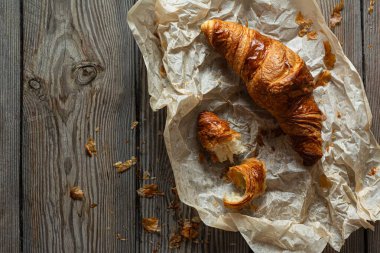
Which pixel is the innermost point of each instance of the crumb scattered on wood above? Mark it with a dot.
(97, 129)
(174, 205)
(90, 147)
(324, 182)
(93, 205)
(371, 6)
(373, 171)
(323, 78)
(149, 191)
(76, 193)
(151, 225)
(146, 175)
(338, 115)
(304, 25)
(134, 124)
(124, 166)
(336, 16)
(329, 59)
(190, 229)
(175, 241)
(312, 35)
(370, 46)
(120, 237)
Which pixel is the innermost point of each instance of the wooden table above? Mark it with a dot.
(71, 67)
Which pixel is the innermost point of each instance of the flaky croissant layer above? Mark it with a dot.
(250, 176)
(218, 138)
(277, 79)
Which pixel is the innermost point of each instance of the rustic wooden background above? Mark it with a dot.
(70, 66)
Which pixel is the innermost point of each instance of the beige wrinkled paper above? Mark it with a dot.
(185, 75)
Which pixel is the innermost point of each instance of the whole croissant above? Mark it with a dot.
(277, 79)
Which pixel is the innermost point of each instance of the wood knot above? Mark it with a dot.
(34, 84)
(85, 73)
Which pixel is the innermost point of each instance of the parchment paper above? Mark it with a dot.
(185, 75)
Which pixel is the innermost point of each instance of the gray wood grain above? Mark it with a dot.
(9, 125)
(350, 36)
(79, 75)
(371, 48)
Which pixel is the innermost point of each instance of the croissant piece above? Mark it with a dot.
(217, 137)
(276, 78)
(249, 176)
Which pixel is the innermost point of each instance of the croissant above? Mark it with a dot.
(249, 176)
(217, 137)
(276, 78)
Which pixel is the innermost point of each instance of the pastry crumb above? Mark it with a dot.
(336, 16)
(97, 129)
(93, 205)
(373, 171)
(190, 230)
(151, 225)
(312, 35)
(338, 115)
(134, 124)
(323, 78)
(174, 205)
(76, 193)
(124, 166)
(175, 241)
(324, 182)
(146, 175)
(371, 6)
(90, 147)
(304, 25)
(121, 238)
(149, 191)
(329, 59)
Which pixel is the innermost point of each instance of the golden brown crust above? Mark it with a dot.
(277, 79)
(212, 130)
(251, 175)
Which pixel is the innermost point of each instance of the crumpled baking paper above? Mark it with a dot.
(302, 210)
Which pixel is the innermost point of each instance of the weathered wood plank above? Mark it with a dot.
(9, 125)
(350, 36)
(154, 159)
(79, 75)
(371, 48)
